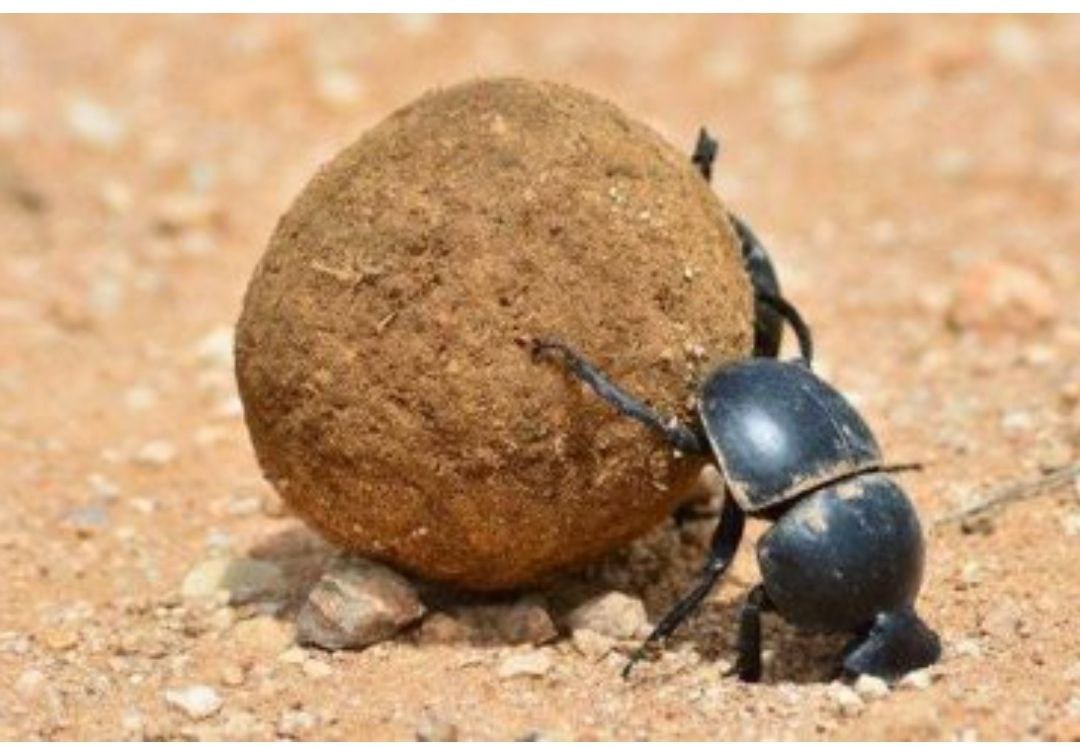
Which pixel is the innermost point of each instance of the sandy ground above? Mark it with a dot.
(915, 179)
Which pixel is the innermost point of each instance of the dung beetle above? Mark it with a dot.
(845, 552)
(768, 320)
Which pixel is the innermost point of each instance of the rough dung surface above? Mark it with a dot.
(386, 396)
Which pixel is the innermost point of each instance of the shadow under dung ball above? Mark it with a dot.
(387, 398)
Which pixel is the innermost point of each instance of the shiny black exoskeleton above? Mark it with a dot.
(768, 320)
(845, 552)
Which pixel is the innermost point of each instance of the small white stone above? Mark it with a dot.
(1071, 524)
(295, 723)
(116, 197)
(338, 87)
(871, 688)
(968, 647)
(102, 488)
(94, 124)
(1014, 44)
(132, 724)
(847, 700)
(196, 701)
(244, 505)
(918, 679)
(533, 663)
(139, 398)
(155, 453)
(216, 347)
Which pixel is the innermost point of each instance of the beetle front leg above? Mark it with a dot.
(681, 437)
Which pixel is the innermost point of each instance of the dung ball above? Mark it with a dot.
(386, 393)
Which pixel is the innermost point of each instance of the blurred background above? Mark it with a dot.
(915, 179)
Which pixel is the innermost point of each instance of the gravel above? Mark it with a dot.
(613, 614)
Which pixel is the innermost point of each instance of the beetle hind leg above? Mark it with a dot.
(748, 662)
(897, 643)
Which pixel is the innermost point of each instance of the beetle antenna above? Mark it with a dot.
(902, 467)
(794, 318)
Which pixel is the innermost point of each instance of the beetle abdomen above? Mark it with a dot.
(844, 553)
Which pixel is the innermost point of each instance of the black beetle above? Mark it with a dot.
(768, 319)
(845, 553)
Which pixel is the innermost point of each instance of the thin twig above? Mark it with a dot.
(1012, 493)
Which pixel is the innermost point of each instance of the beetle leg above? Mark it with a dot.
(896, 643)
(725, 543)
(680, 436)
(748, 664)
(705, 153)
(802, 330)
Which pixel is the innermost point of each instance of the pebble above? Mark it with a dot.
(968, 647)
(823, 39)
(532, 663)
(244, 579)
(94, 124)
(613, 614)
(296, 724)
(918, 679)
(871, 688)
(196, 701)
(592, 645)
(357, 603)
(337, 88)
(847, 700)
(435, 729)
(1015, 45)
(1070, 523)
(181, 211)
(131, 722)
(102, 488)
(155, 454)
(139, 398)
(216, 347)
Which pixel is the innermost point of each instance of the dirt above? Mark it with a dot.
(914, 179)
(380, 358)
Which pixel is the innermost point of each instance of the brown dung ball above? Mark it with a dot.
(377, 354)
